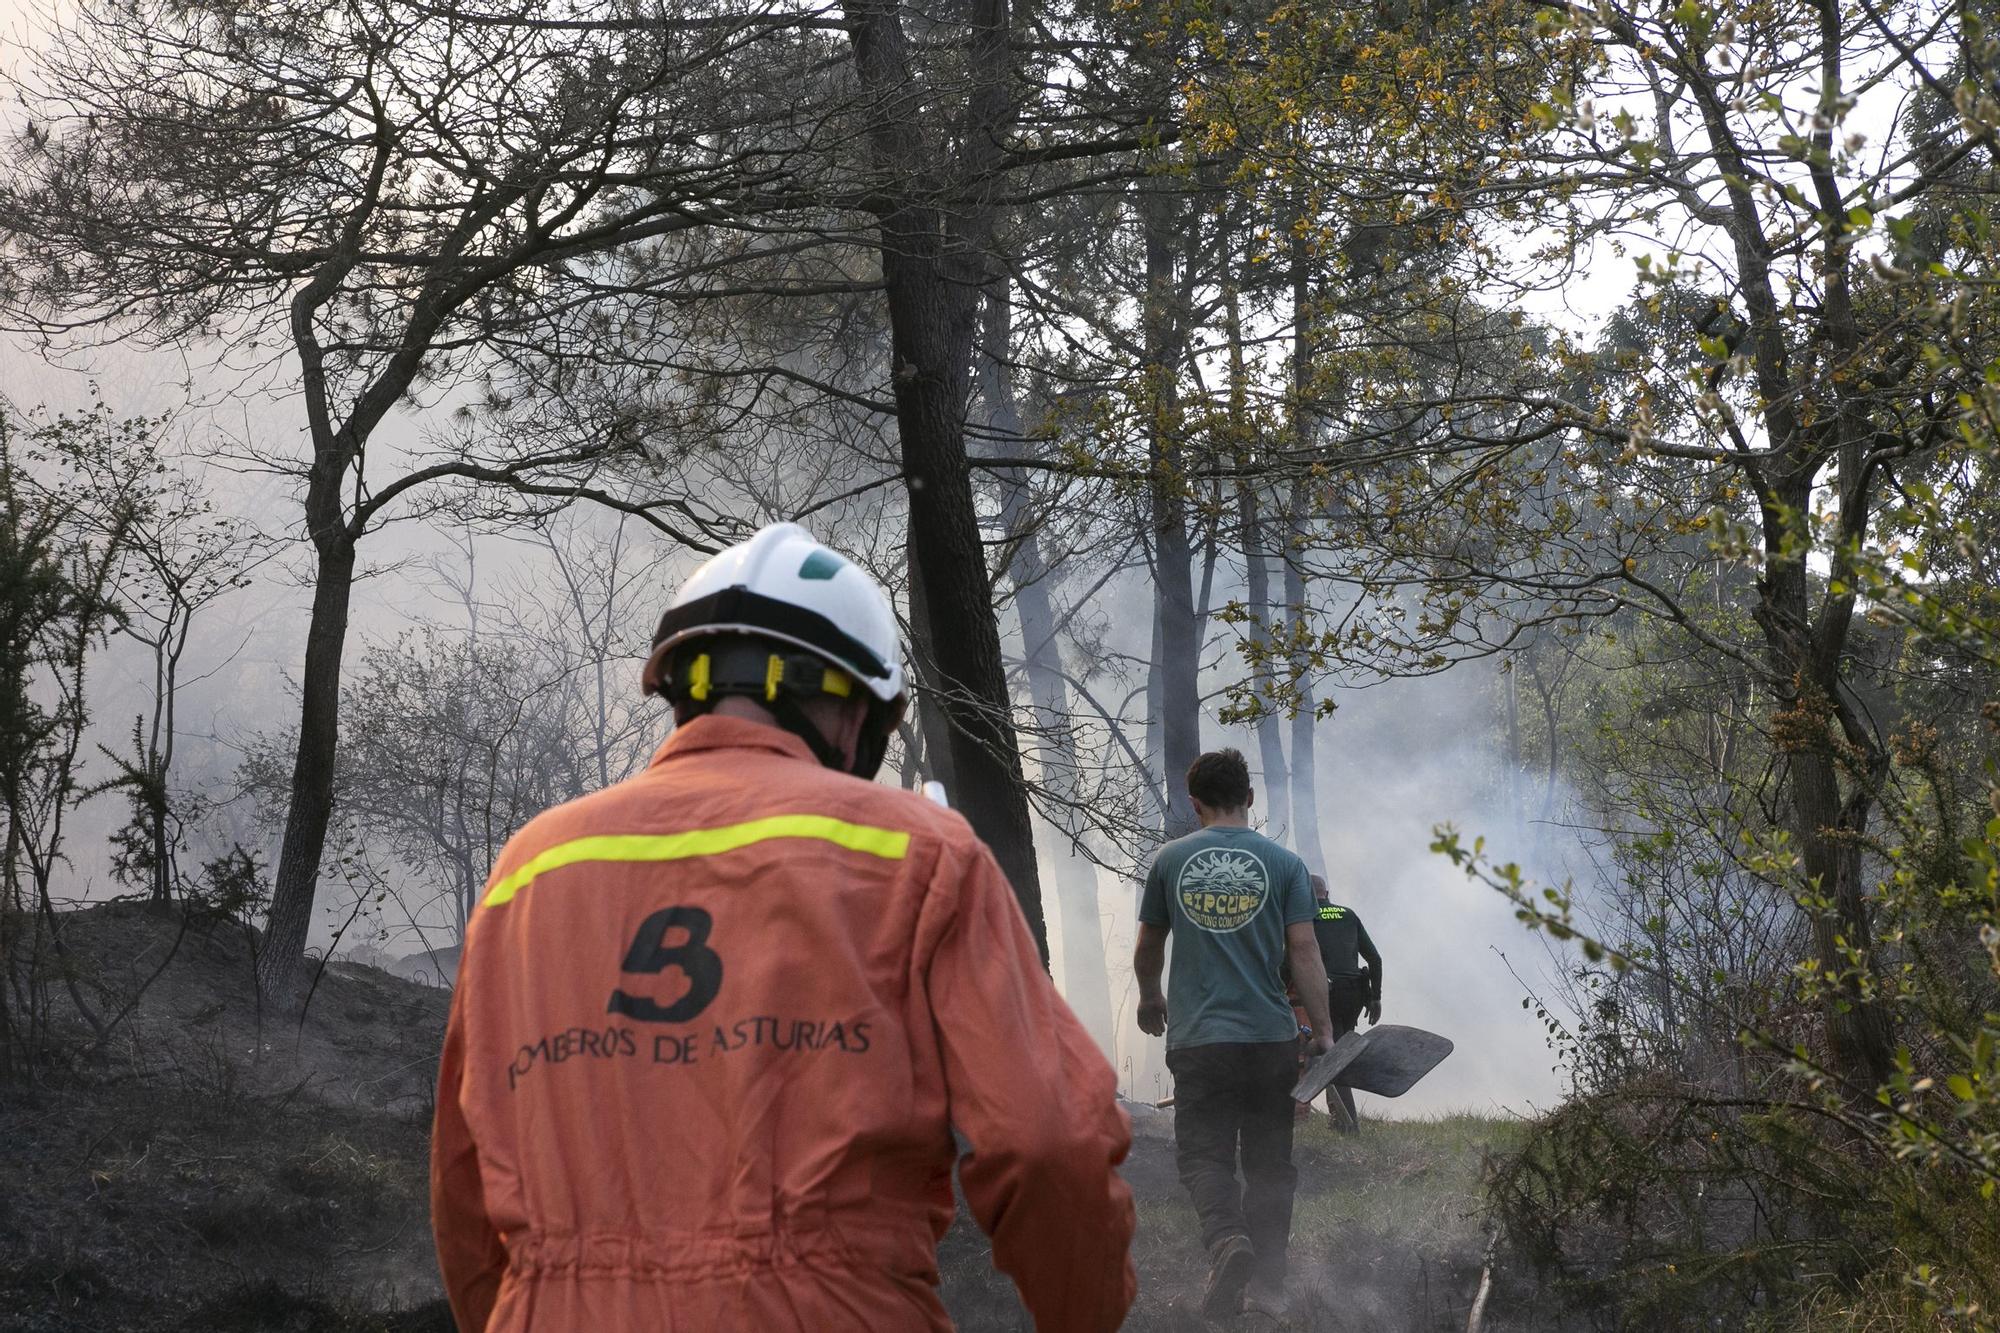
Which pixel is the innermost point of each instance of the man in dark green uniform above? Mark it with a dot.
(1238, 907)
(1343, 947)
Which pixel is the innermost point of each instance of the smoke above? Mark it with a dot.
(1396, 761)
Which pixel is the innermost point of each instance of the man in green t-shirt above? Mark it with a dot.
(1237, 906)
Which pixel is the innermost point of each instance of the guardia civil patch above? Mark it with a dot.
(1221, 889)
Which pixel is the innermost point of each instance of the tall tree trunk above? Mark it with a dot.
(958, 598)
(281, 957)
(334, 531)
(1827, 828)
(933, 270)
(1086, 981)
(1511, 683)
(932, 724)
(1274, 788)
(1806, 433)
(1179, 662)
(1829, 831)
(1305, 767)
(1156, 773)
(1305, 838)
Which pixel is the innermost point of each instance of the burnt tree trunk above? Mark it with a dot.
(932, 337)
(932, 723)
(281, 956)
(335, 528)
(933, 270)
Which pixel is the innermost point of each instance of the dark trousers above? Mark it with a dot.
(1347, 996)
(1235, 1098)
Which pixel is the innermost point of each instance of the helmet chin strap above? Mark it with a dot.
(873, 742)
(869, 747)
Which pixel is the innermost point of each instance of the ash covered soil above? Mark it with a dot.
(205, 1169)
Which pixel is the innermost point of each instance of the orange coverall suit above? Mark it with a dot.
(712, 1031)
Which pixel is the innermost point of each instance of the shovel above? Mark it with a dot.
(1386, 1060)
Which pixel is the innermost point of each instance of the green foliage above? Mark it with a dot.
(54, 604)
(1661, 1190)
(230, 888)
(1672, 1188)
(57, 566)
(1739, 536)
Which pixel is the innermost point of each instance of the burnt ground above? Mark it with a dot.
(206, 1170)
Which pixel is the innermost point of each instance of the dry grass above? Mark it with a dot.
(1886, 1304)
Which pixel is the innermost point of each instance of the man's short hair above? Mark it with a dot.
(1320, 890)
(1220, 780)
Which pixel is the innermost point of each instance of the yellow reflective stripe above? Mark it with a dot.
(889, 844)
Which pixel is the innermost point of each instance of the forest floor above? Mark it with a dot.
(203, 1171)
(1386, 1237)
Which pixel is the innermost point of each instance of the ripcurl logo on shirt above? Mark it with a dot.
(1222, 889)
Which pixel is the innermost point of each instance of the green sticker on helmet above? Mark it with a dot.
(821, 564)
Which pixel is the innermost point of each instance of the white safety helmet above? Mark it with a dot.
(783, 586)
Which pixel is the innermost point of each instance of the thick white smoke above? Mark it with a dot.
(1395, 761)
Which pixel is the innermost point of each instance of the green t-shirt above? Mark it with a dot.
(1227, 895)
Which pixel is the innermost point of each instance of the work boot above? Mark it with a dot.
(1232, 1260)
(1266, 1296)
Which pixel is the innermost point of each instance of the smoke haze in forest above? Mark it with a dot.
(351, 450)
(1395, 761)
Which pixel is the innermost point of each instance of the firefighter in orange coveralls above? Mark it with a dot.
(715, 1025)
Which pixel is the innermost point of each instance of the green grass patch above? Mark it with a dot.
(1419, 1183)
(1386, 1228)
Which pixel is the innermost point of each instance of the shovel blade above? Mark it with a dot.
(1386, 1060)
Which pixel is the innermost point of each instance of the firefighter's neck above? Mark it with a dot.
(839, 720)
(1215, 817)
(736, 705)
